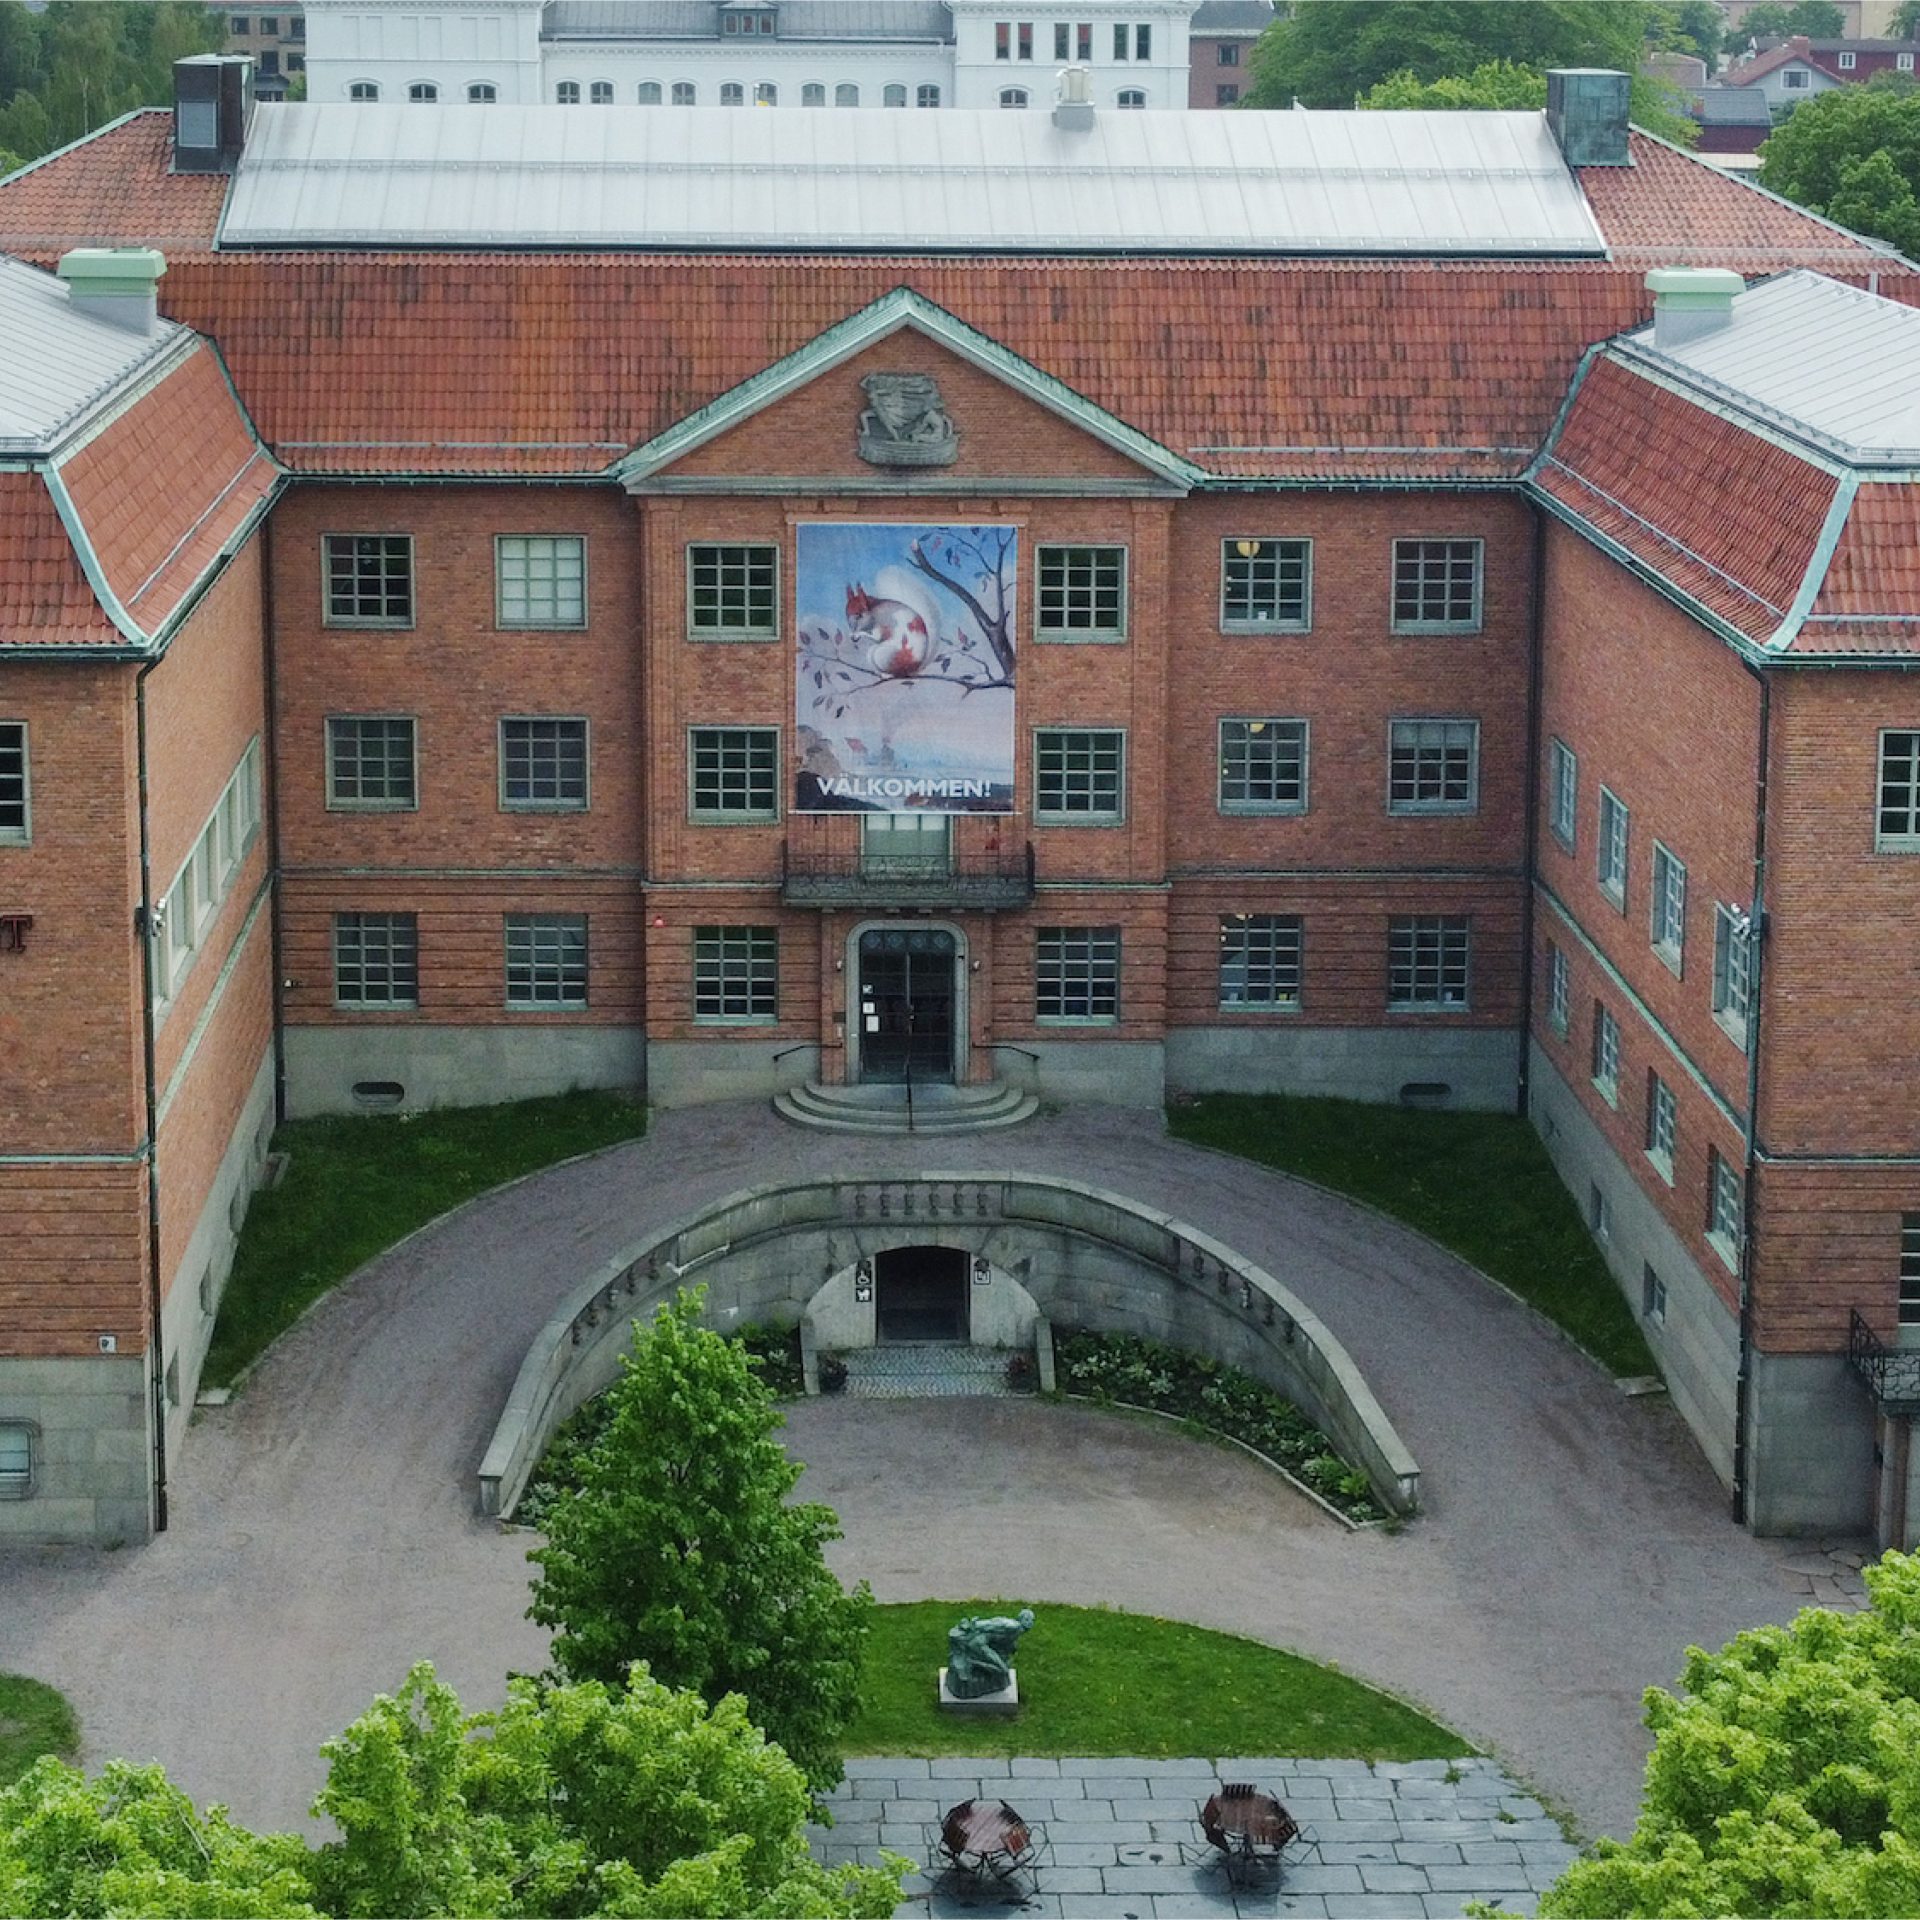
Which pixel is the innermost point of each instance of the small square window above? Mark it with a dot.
(376, 960)
(1653, 1295)
(1846, 62)
(1662, 1122)
(736, 975)
(1909, 1303)
(1557, 990)
(17, 1450)
(1610, 865)
(1226, 94)
(1263, 766)
(1079, 776)
(1428, 962)
(1732, 971)
(1668, 928)
(540, 580)
(1076, 974)
(369, 579)
(1433, 766)
(733, 592)
(1724, 1208)
(1082, 593)
(16, 819)
(543, 765)
(1903, 62)
(1606, 1055)
(1898, 824)
(1436, 586)
(1563, 793)
(1266, 586)
(734, 772)
(546, 959)
(1229, 52)
(370, 762)
(1794, 79)
(1259, 962)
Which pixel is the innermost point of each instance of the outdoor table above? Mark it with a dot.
(1251, 1829)
(987, 1844)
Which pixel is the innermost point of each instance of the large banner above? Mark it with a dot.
(903, 669)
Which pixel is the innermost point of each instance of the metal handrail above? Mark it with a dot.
(1892, 1374)
(799, 1046)
(1007, 1046)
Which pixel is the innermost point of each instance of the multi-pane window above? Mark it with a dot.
(1226, 94)
(685, 93)
(1428, 960)
(567, 93)
(767, 94)
(1082, 593)
(734, 772)
(1436, 586)
(927, 96)
(1013, 96)
(1898, 829)
(1263, 766)
(1653, 1294)
(1143, 43)
(1723, 1207)
(16, 1459)
(1433, 766)
(1259, 961)
(732, 94)
(546, 959)
(1732, 970)
(1078, 774)
(1668, 913)
(649, 94)
(1026, 39)
(483, 93)
(601, 94)
(369, 579)
(1909, 1308)
(1130, 97)
(1662, 1120)
(1610, 860)
(733, 592)
(846, 94)
(1076, 973)
(736, 974)
(376, 960)
(364, 90)
(1558, 990)
(1606, 1054)
(183, 915)
(16, 821)
(540, 580)
(370, 761)
(1563, 793)
(422, 93)
(543, 764)
(1266, 586)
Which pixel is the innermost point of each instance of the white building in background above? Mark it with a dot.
(789, 53)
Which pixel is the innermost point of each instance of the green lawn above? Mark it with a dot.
(33, 1720)
(1096, 1682)
(357, 1184)
(1479, 1183)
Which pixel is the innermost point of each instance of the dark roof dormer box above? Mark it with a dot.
(739, 21)
(212, 107)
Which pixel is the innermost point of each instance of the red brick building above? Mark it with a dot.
(1337, 588)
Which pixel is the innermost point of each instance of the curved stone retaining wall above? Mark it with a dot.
(1090, 1258)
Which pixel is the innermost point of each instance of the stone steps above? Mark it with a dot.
(877, 1110)
(926, 1370)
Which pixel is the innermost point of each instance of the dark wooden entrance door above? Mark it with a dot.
(906, 1004)
(921, 1293)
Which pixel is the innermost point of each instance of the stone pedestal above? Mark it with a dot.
(991, 1706)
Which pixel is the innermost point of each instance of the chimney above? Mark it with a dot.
(1587, 115)
(1073, 100)
(120, 284)
(212, 109)
(1691, 301)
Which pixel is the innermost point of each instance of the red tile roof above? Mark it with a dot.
(1875, 572)
(44, 596)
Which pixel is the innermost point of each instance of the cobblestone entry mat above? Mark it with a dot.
(935, 1370)
(1121, 1840)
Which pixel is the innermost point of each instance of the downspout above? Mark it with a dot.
(156, 1367)
(270, 783)
(1756, 950)
(1536, 672)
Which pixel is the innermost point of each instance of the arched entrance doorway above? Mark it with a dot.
(921, 1293)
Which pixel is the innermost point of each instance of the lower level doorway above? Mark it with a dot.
(920, 1293)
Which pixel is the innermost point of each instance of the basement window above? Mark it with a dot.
(17, 1438)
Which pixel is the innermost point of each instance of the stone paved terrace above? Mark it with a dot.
(1122, 1839)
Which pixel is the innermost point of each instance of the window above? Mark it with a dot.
(1436, 586)
(297, 27)
(1427, 962)
(1083, 42)
(238, 24)
(370, 762)
(1606, 1054)
(1557, 990)
(1229, 52)
(733, 94)
(1143, 43)
(1076, 973)
(601, 93)
(1266, 586)
(1724, 1208)
(732, 592)
(893, 96)
(423, 92)
(734, 772)
(1898, 828)
(369, 579)
(543, 765)
(813, 94)
(1026, 40)
(649, 94)
(1130, 97)
(1794, 79)
(546, 959)
(846, 94)
(1563, 793)
(1653, 1294)
(1662, 1119)
(1732, 970)
(1846, 62)
(16, 818)
(1909, 1307)
(1668, 928)
(1263, 766)
(1599, 1213)
(296, 63)
(928, 96)
(1259, 962)
(1062, 41)
(685, 93)
(1082, 593)
(567, 93)
(1610, 865)
(16, 1459)
(540, 580)
(1013, 96)
(1121, 43)
(270, 64)
(1078, 775)
(1003, 39)
(183, 914)
(1433, 766)
(736, 975)
(270, 25)
(376, 960)
(363, 90)
(766, 94)
(483, 93)
(1226, 95)
(1903, 62)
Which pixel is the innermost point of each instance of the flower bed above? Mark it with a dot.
(1119, 1368)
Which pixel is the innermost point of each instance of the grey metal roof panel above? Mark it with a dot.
(57, 363)
(1232, 16)
(1418, 184)
(1734, 107)
(1833, 363)
(698, 20)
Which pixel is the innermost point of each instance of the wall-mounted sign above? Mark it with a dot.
(982, 1272)
(863, 1283)
(904, 668)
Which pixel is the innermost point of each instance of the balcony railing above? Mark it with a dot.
(983, 881)
(1892, 1374)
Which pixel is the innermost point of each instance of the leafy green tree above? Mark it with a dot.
(1500, 83)
(679, 1549)
(1774, 19)
(1693, 26)
(1906, 21)
(1784, 1779)
(9, 162)
(1853, 154)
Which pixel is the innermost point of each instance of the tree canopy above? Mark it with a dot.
(1775, 19)
(679, 1548)
(1784, 1778)
(1853, 154)
(1906, 20)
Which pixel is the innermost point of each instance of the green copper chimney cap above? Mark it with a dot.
(112, 270)
(1682, 287)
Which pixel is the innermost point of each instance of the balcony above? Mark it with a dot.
(915, 882)
(1892, 1374)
